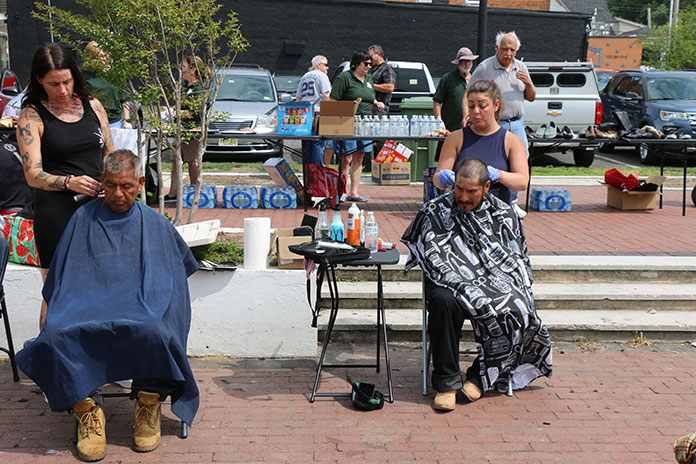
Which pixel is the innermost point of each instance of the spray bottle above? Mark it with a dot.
(337, 230)
(322, 229)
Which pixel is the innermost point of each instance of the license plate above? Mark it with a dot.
(228, 142)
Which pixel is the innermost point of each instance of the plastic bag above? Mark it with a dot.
(323, 182)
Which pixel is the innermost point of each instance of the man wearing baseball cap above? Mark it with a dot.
(447, 101)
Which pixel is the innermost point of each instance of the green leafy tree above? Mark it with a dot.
(636, 10)
(672, 50)
(147, 41)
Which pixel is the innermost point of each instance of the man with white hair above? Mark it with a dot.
(515, 85)
(314, 87)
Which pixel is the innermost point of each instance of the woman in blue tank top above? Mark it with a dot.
(484, 139)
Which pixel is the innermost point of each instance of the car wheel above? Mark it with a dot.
(646, 157)
(607, 147)
(583, 158)
(693, 196)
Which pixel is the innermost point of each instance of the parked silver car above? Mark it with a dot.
(247, 102)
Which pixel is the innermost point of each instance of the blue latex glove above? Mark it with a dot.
(493, 174)
(446, 177)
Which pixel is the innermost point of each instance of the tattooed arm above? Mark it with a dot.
(29, 132)
(103, 124)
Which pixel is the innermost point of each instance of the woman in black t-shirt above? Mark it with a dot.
(63, 134)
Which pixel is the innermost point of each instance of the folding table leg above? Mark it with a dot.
(331, 278)
(380, 305)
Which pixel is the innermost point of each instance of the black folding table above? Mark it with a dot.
(378, 259)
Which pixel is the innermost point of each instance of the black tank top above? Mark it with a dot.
(74, 148)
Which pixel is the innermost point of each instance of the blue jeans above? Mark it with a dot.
(517, 128)
(313, 152)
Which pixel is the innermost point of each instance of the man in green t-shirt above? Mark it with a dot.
(447, 101)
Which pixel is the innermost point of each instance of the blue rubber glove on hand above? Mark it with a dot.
(446, 177)
(493, 174)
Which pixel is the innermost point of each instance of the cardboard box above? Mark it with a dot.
(393, 152)
(635, 200)
(391, 173)
(282, 174)
(336, 117)
(286, 258)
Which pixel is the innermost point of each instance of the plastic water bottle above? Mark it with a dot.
(440, 123)
(371, 231)
(362, 227)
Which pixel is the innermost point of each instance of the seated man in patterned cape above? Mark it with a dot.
(118, 308)
(472, 250)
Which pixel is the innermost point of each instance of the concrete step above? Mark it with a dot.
(547, 295)
(358, 325)
(565, 268)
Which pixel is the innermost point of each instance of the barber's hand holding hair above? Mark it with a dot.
(446, 177)
(83, 184)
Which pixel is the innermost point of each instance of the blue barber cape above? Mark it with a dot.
(118, 308)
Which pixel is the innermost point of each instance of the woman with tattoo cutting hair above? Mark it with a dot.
(63, 133)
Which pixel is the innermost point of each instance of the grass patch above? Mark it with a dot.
(639, 340)
(219, 252)
(599, 172)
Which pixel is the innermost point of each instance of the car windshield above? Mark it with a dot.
(287, 83)
(238, 87)
(672, 88)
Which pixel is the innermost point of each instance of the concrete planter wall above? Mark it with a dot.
(238, 313)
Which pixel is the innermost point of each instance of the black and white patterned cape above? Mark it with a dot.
(481, 256)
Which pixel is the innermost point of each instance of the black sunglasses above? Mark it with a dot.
(367, 63)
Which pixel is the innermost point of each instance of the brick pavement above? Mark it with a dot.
(614, 405)
(592, 227)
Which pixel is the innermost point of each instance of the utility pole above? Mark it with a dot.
(671, 15)
(649, 18)
(676, 12)
(482, 29)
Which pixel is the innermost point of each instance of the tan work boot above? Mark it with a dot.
(146, 434)
(471, 391)
(91, 430)
(445, 401)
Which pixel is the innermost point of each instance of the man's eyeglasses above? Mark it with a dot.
(367, 63)
(325, 64)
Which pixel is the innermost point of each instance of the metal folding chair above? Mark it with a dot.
(182, 434)
(4, 256)
(426, 348)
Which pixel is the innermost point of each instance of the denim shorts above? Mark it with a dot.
(351, 145)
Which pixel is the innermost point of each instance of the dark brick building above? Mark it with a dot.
(285, 34)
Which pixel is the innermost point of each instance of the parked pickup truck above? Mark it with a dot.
(567, 94)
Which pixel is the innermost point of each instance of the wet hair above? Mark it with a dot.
(499, 38)
(198, 67)
(122, 160)
(49, 57)
(358, 57)
(377, 49)
(472, 168)
(489, 88)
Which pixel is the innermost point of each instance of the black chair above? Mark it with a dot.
(4, 256)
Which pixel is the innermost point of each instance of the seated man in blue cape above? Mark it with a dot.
(473, 253)
(118, 308)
